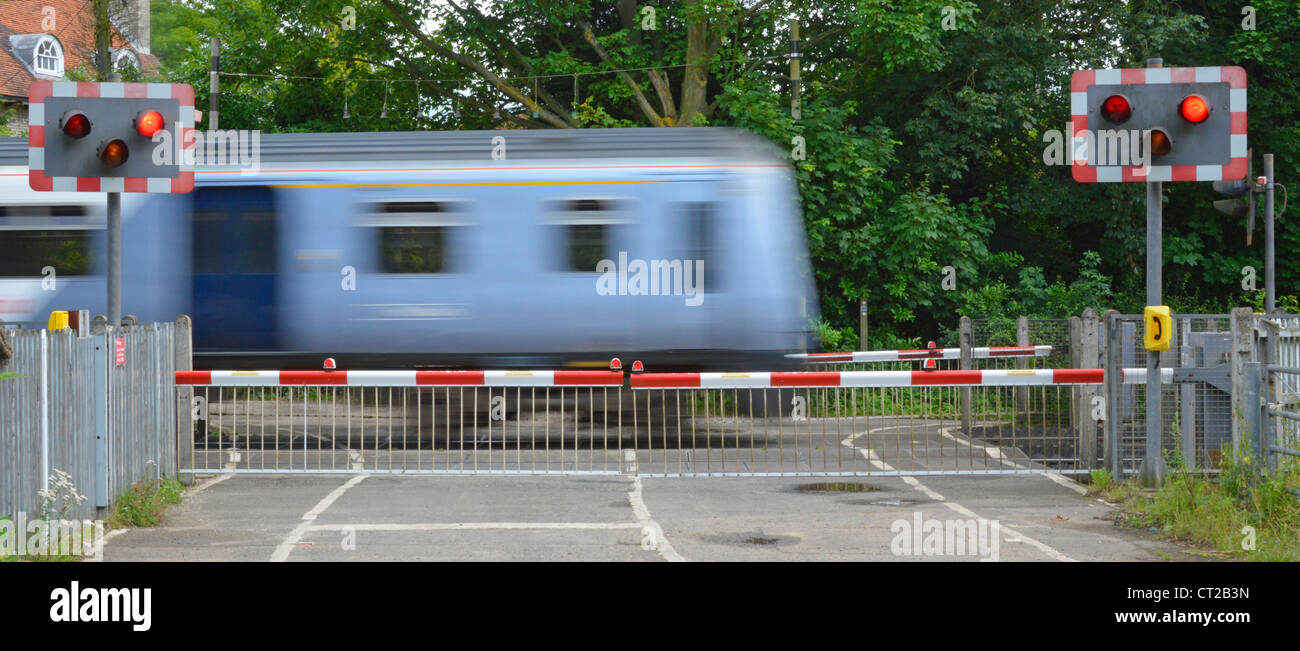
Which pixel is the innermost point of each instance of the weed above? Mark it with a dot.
(142, 505)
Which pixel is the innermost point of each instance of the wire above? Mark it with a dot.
(1284, 198)
(531, 78)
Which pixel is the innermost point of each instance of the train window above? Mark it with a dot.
(587, 246)
(413, 249)
(415, 234)
(699, 221)
(25, 253)
(43, 211)
(586, 226)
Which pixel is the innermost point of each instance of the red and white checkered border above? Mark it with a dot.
(40, 181)
(982, 352)
(1235, 76)
(817, 379)
(561, 378)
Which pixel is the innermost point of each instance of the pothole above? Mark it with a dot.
(837, 487)
(756, 538)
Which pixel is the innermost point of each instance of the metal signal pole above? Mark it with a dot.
(113, 260)
(1152, 472)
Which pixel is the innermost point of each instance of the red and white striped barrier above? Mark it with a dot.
(983, 352)
(402, 378)
(814, 379)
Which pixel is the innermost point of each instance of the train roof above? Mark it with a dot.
(695, 143)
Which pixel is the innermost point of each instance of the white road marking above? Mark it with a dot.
(464, 526)
(644, 520)
(286, 546)
(208, 484)
(1011, 534)
(996, 453)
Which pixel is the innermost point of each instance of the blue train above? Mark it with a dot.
(680, 247)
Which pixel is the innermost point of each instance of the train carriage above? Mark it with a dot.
(680, 247)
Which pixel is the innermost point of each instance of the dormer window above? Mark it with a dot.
(124, 59)
(49, 57)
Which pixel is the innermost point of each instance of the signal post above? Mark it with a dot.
(1192, 123)
(100, 137)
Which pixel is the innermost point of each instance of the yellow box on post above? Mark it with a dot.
(1159, 327)
(58, 320)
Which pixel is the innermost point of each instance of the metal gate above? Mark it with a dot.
(819, 423)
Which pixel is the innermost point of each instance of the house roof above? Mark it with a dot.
(22, 22)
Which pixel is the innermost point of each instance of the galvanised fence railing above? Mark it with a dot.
(99, 407)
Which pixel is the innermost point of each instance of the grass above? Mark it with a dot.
(143, 504)
(1241, 512)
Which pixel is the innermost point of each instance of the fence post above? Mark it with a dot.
(184, 401)
(1111, 388)
(1186, 395)
(101, 419)
(1253, 414)
(1269, 391)
(966, 331)
(1243, 347)
(1089, 356)
(1022, 339)
(862, 325)
(1075, 330)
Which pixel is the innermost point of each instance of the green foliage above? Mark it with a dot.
(143, 504)
(1222, 511)
(923, 123)
(6, 116)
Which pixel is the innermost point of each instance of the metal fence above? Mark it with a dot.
(67, 405)
(1196, 398)
(1279, 336)
(592, 422)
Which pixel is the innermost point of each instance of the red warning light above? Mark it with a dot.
(1116, 109)
(615, 364)
(75, 124)
(1194, 109)
(149, 123)
(329, 364)
(637, 366)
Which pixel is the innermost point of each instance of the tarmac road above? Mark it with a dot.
(353, 516)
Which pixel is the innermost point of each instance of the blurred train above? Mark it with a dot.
(423, 249)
